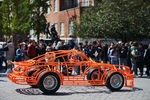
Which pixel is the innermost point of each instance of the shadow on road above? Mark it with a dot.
(132, 89)
(36, 91)
(3, 81)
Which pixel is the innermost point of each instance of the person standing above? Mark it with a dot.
(123, 55)
(70, 45)
(10, 55)
(85, 48)
(31, 52)
(19, 53)
(99, 50)
(41, 49)
(80, 46)
(62, 46)
(134, 55)
(114, 55)
(140, 58)
(104, 56)
(147, 60)
(108, 52)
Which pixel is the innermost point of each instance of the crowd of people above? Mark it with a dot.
(133, 54)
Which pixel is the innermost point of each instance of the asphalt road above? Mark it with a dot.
(11, 91)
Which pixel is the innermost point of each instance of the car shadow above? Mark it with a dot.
(33, 91)
(3, 81)
(130, 89)
(36, 91)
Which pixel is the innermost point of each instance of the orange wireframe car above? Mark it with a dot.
(69, 68)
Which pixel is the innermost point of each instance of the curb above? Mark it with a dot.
(3, 74)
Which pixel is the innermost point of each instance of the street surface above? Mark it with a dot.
(11, 91)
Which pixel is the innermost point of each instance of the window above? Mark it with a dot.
(48, 3)
(70, 28)
(92, 2)
(62, 33)
(56, 26)
(68, 4)
(55, 6)
(85, 2)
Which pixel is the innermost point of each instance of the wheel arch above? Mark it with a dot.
(114, 72)
(53, 72)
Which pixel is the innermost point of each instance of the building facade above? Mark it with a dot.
(62, 13)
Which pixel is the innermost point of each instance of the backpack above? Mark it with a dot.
(135, 53)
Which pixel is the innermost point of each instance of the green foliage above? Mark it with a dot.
(20, 16)
(119, 19)
(38, 17)
(21, 19)
(16, 17)
(5, 17)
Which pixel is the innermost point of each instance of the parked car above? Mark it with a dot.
(69, 68)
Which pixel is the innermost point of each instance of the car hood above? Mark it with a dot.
(25, 63)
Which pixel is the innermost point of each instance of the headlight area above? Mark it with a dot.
(20, 75)
(19, 70)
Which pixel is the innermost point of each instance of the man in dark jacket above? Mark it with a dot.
(147, 59)
(140, 58)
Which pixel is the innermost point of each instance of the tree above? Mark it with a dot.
(16, 17)
(38, 16)
(119, 19)
(5, 10)
(21, 16)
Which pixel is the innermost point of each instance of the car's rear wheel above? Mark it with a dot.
(115, 82)
(49, 83)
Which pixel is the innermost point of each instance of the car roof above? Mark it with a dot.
(59, 53)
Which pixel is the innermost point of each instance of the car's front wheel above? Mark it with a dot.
(49, 83)
(115, 82)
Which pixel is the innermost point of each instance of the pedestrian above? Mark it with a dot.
(114, 55)
(91, 51)
(75, 47)
(19, 54)
(43, 43)
(41, 49)
(123, 55)
(108, 52)
(31, 52)
(85, 48)
(99, 50)
(62, 46)
(70, 45)
(104, 56)
(140, 58)
(128, 55)
(147, 60)
(134, 55)
(2, 57)
(80, 46)
(49, 49)
(10, 55)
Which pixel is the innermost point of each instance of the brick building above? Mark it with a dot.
(62, 13)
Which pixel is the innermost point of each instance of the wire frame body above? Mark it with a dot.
(71, 66)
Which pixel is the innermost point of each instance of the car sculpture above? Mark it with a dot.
(69, 68)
